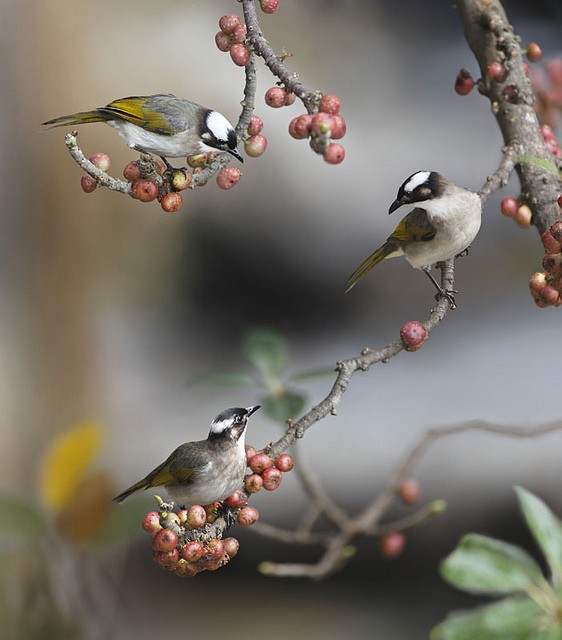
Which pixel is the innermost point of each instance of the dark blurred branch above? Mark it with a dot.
(491, 38)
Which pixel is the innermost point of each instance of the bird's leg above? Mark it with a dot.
(442, 293)
(228, 515)
(169, 168)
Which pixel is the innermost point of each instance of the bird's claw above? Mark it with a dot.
(449, 295)
(229, 517)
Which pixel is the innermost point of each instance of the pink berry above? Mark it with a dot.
(556, 230)
(228, 23)
(275, 97)
(144, 190)
(330, 103)
(254, 146)
(215, 549)
(496, 71)
(240, 54)
(247, 516)
(538, 281)
(550, 294)
(551, 263)
(250, 451)
(151, 522)
(269, 6)
(239, 34)
(236, 500)
(284, 462)
(290, 98)
(253, 483)
(223, 41)
(299, 127)
(165, 540)
(196, 517)
(88, 183)
(413, 334)
(464, 82)
(231, 546)
(255, 126)
(321, 123)
(192, 551)
(550, 243)
(171, 202)
(334, 154)
(338, 127)
(260, 462)
(166, 559)
(409, 491)
(392, 544)
(547, 133)
(524, 216)
(509, 207)
(131, 171)
(185, 569)
(271, 478)
(560, 200)
(228, 177)
(101, 161)
(534, 52)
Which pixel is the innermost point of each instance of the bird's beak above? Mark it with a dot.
(395, 205)
(238, 155)
(253, 409)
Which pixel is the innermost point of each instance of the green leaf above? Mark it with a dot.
(546, 529)
(484, 565)
(19, 523)
(312, 373)
(281, 408)
(539, 162)
(222, 379)
(509, 619)
(267, 351)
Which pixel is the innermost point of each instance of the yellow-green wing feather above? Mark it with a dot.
(133, 109)
(415, 227)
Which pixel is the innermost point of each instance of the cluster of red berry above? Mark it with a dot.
(547, 85)
(412, 335)
(392, 543)
(322, 127)
(186, 543)
(546, 286)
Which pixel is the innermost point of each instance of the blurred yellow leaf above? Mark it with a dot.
(66, 462)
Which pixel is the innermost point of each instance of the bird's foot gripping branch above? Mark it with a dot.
(189, 541)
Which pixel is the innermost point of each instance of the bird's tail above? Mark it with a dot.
(83, 117)
(378, 256)
(141, 484)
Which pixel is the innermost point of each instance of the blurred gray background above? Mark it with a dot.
(109, 305)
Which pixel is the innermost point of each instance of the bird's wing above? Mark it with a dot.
(133, 110)
(414, 227)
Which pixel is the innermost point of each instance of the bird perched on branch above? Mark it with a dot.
(205, 471)
(442, 226)
(163, 125)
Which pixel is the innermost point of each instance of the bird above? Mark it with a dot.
(204, 471)
(162, 125)
(444, 223)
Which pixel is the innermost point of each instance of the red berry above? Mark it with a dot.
(550, 294)
(551, 263)
(409, 491)
(260, 462)
(215, 549)
(231, 546)
(510, 93)
(334, 154)
(254, 146)
(538, 281)
(247, 516)
(236, 500)
(151, 522)
(166, 559)
(464, 82)
(88, 183)
(255, 126)
(101, 161)
(253, 483)
(212, 511)
(269, 6)
(330, 103)
(240, 54)
(300, 126)
(271, 478)
(392, 544)
(228, 23)
(556, 230)
(192, 551)
(290, 98)
(240, 32)
(560, 200)
(321, 123)
(338, 127)
(144, 190)
(250, 451)
(185, 569)
(284, 462)
(196, 517)
(509, 207)
(413, 334)
(496, 71)
(275, 97)
(132, 171)
(223, 41)
(550, 243)
(165, 540)
(534, 52)
(171, 202)
(228, 177)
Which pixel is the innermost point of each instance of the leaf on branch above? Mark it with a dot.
(481, 564)
(222, 379)
(283, 407)
(267, 351)
(546, 529)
